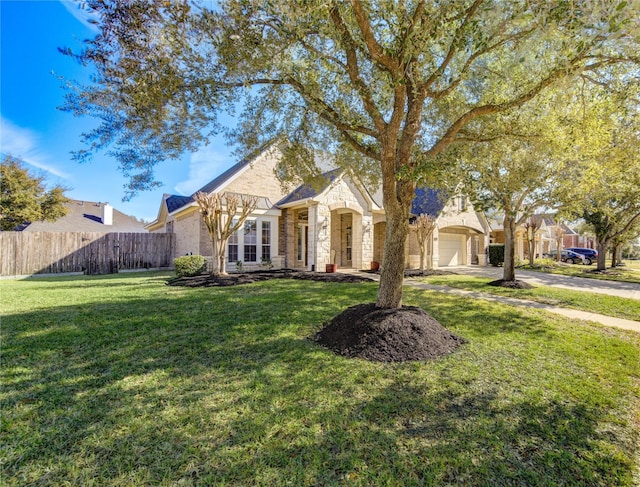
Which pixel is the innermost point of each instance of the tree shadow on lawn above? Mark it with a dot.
(216, 387)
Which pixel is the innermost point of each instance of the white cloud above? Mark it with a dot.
(76, 9)
(204, 166)
(24, 144)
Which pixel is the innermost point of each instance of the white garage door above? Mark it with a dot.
(451, 249)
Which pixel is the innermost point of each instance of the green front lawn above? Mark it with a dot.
(595, 303)
(122, 380)
(628, 273)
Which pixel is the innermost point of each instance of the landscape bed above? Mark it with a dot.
(123, 380)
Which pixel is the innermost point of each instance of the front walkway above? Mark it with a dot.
(567, 312)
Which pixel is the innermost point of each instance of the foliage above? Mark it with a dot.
(383, 87)
(24, 198)
(122, 380)
(496, 254)
(190, 265)
(220, 215)
(512, 165)
(605, 161)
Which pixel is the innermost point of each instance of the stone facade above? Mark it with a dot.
(339, 224)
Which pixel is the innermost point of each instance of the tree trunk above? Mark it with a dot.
(393, 262)
(222, 256)
(218, 263)
(614, 255)
(215, 261)
(532, 249)
(509, 270)
(602, 255)
(422, 253)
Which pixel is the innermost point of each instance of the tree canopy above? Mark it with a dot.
(386, 86)
(603, 165)
(24, 197)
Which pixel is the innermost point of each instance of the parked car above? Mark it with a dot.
(569, 256)
(590, 254)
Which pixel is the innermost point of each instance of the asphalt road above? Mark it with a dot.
(613, 288)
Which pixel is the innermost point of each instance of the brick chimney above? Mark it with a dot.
(107, 214)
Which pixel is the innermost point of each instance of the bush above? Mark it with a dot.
(190, 265)
(496, 254)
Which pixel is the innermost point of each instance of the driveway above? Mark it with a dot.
(613, 288)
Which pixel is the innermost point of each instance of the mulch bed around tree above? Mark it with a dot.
(363, 331)
(207, 280)
(387, 335)
(510, 284)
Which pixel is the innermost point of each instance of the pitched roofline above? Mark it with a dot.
(225, 178)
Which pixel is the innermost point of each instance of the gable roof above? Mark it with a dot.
(86, 216)
(307, 191)
(175, 202)
(428, 201)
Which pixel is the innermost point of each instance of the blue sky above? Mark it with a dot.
(33, 129)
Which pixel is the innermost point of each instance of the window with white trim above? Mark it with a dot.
(232, 246)
(266, 240)
(250, 241)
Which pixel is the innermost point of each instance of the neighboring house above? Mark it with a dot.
(88, 216)
(341, 222)
(545, 239)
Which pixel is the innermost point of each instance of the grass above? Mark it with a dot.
(629, 273)
(595, 303)
(121, 380)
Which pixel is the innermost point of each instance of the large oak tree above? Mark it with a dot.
(384, 85)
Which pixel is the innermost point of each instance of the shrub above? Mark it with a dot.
(496, 254)
(189, 265)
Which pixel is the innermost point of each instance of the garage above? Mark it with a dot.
(452, 249)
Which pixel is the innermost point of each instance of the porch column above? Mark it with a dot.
(323, 246)
(484, 245)
(312, 245)
(357, 235)
(436, 247)
(367, 241)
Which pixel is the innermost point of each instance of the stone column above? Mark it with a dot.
(436, 247)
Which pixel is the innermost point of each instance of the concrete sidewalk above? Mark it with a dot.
(567, 312)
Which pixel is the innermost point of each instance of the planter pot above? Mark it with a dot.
(375, 265)
(332, 267)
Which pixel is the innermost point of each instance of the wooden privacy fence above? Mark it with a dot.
(27, 253)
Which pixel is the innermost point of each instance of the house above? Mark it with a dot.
(545, 237)
(88, 216)
(340, 222)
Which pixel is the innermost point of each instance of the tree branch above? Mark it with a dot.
(376, 51)
(452, 48)
(354, 71)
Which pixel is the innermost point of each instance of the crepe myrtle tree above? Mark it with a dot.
(220, 215)
(531, 226)
(384, 86)
(558, 231)
(425, 225)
